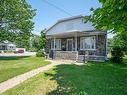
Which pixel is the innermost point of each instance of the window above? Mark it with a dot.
(87, 43)
(57, 44)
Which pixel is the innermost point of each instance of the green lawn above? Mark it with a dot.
(13, 66)
(91, 79)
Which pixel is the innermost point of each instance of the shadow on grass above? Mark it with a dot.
(12, 57)
(91, 79)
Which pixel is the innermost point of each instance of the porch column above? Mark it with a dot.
(54, 43)
(106, 45)
(75, 41)
(76, 46)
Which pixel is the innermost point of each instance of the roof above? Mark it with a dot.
(6, 42)
(76, 33)
(65, 19)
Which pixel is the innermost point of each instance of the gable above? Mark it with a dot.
(70, 25)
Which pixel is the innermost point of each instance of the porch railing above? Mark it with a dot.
(74, 55)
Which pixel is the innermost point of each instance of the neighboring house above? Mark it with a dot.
(6, 45)
(72, 39)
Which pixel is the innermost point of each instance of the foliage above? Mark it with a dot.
(111, 16)
(117, 54)
(23, 40)
(109, 44)
(119, 47)
(42, 39)
(8, 51)
(38, 42)
(16, 21)
(40, 54)
(120, 40)
(34, 42)
(32, 50)
(13, 66)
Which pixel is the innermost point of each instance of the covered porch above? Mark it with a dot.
(75, 45)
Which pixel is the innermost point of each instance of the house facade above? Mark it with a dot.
(73, 39)
(6, 45)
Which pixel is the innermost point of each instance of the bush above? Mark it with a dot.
(117, 54)
(40, 54)
(8, 51)
(32, 50)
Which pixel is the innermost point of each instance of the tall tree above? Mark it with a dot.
(16, 20)
(111, 16)
(43, 39)
(38, 41)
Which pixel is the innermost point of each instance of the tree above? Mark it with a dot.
(117, 54)
(42, 39)
(38, 42)
(120, 40)
(111, 16)
(16, 21)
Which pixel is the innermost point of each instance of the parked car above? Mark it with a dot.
(19, 51)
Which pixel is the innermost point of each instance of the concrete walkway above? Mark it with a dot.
(21, 78)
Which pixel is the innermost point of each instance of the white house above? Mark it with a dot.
(6, 45)
(72, 39)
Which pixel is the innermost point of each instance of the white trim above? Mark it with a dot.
(67, 44)
(52, 45)
(83, 42)
(106, 48)
(76, 41)
(53, 42)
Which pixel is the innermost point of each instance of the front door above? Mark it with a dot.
(69, 44)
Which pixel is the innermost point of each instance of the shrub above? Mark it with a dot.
(117, 54)
(40, 54)
(8, 51)
(32, 50)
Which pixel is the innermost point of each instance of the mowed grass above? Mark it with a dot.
(93, 78)
(13, 66)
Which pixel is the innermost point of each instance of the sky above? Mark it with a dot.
(47, 15)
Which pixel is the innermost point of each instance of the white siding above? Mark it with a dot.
(70, 25)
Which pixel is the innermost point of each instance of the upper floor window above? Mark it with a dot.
(87, 43)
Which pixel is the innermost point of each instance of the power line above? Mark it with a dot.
(58, 8)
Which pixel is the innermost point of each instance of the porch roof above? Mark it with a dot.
(75, 33)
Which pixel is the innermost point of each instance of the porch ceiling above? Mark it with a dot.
(75, 33)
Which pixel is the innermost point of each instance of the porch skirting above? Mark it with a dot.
(74, 55)
(82, 58)
(67, 55)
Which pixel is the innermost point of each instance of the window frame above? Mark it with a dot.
(83, 38)
(56, 43)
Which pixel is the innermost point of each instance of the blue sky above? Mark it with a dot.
(48, 15)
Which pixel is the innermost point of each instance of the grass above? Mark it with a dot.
(91, 79)
(13, 66)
